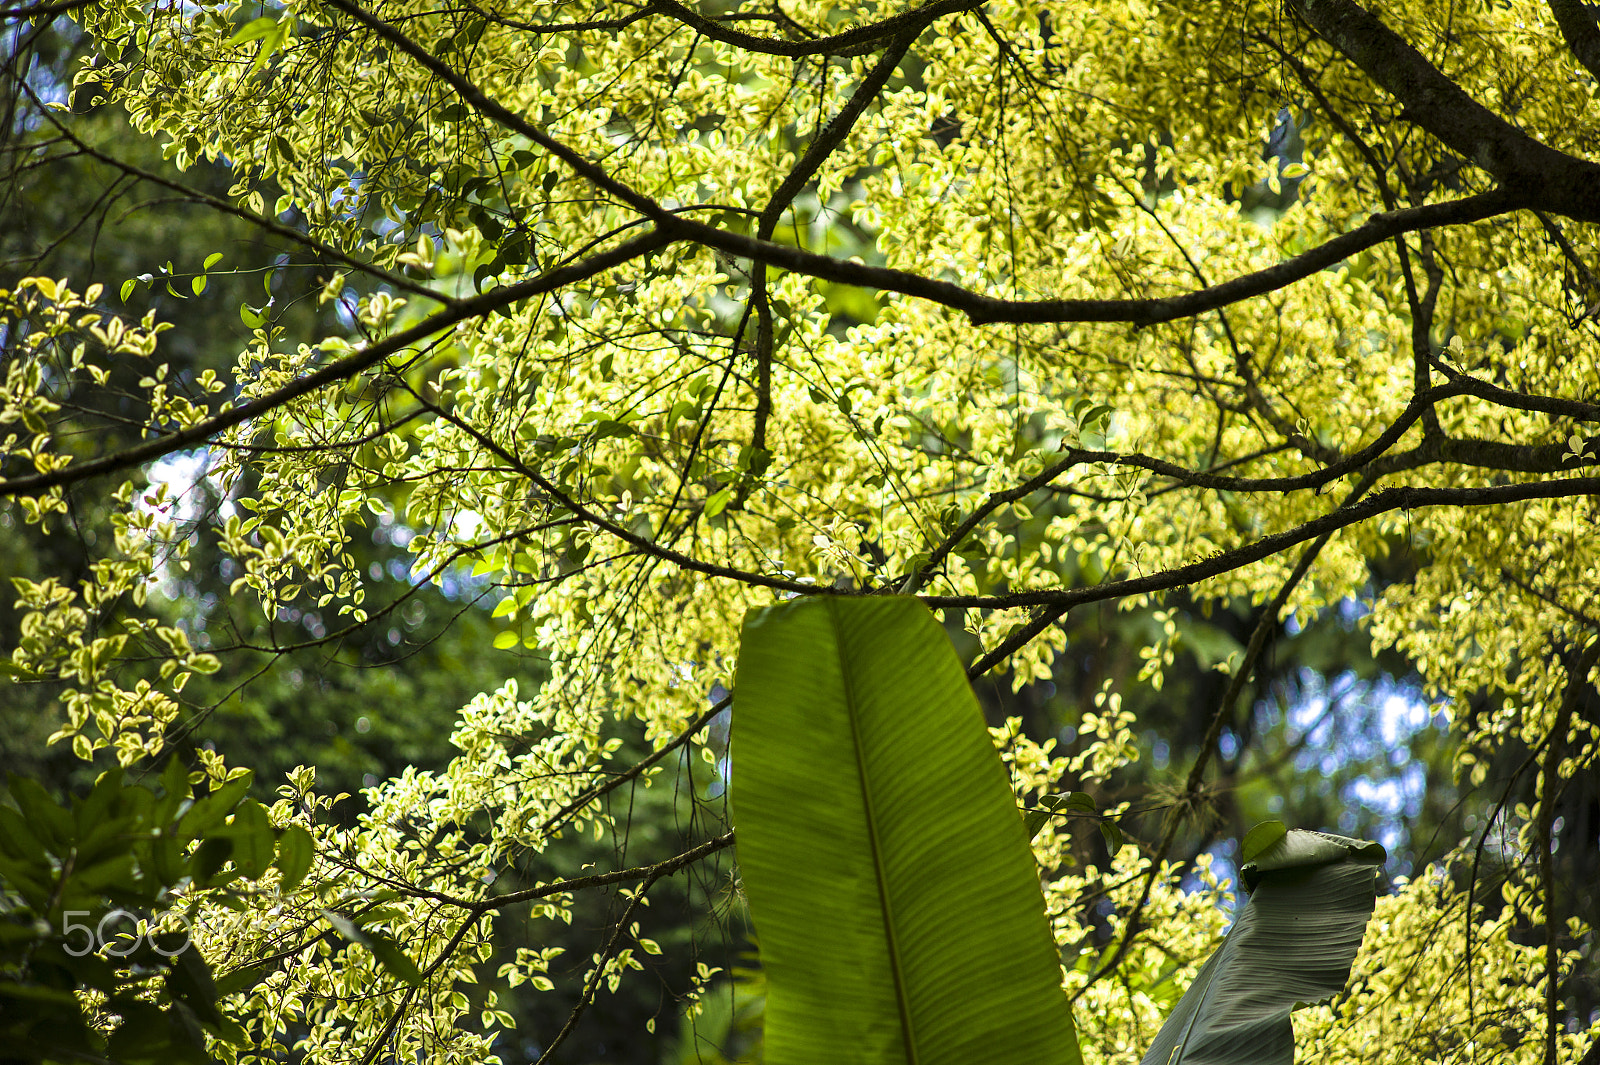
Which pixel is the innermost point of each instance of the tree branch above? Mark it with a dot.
(987, 310)
(859, 41)
(981, 310)
(1190, 799)
(589, 796)
(647, 872)
(862, 40)
(643, 544)
(45, 10)
(1533, 174)
(269, 225)
(823, 145)
(1577, 681)
(994, 501)
(1579, 30)
(579, 883)
(338, 370)
(1391, 499)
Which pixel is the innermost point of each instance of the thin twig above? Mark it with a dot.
(338, 370)
(1193, 787)
(1577, 681)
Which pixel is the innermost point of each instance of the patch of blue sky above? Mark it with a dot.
(1327, 716)
(51, 86)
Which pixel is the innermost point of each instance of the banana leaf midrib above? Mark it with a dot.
(880, 874)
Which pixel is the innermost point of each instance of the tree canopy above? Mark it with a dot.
(627, 317)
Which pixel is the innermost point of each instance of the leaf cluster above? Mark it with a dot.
(74, 876)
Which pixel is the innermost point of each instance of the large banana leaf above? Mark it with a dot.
(888, 874)
(1311, 895)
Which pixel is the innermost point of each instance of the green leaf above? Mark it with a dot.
(127, 288)
(1068, 801)
(1209, 643)
(32, 880)
(213, 259)
(175, 788)
(198, 283)
(208, 858)
(214, 807)
(294, 856)
(166, 859)
(345, 927)
(1064, 803)
(1299, 849)
(1113, 836)
(242, 979)
(51, 824)
(607, 427)
(754, 459)
(392, 958)
(32, 993)
(189, 980)
(252, 839)
(1093, 417)
(681, 409)
(143, 1034)
(254, 30)
(851, 715)
(1260, 838)
(17, 839)
(1311, 896)
(504, 641)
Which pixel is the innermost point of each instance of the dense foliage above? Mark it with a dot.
(1230, 319)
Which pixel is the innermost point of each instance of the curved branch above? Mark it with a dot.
(649, 872)
(987, 310)
(991, 503)
(578, 883)
(1580, 31)
(269, 225)
(862, 40)
(859, 41)
(980, 309)
(823, 145)
(1192, 788)
(1535, 174)
(45, 10)
(643, 544)
(1390, 499)
(339, 370)
(590, 795)
(1541, 458)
